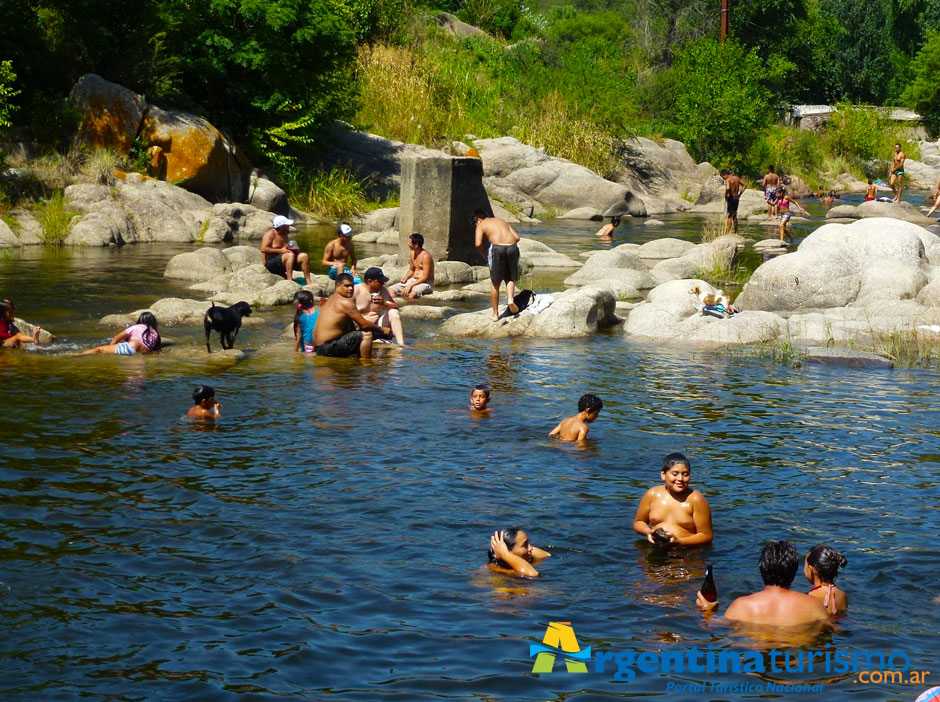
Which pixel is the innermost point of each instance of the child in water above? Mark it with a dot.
(674, 514)
(607, 231)
(206, 407)
(576, 428)
(10, 335)
(479, 399)
(822, 567)
(510, 550)
(140, 337)
(305, 319)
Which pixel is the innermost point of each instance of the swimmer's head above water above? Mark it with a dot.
(517, 541)
(479, 397)
(778, 563)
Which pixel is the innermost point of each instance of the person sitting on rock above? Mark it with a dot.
(334, 334)
(339, 256)
(375, 303)
(281, 256)
(420, 276)
(10, 335)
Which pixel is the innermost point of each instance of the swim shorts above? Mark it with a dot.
(770, 194)
(504, 263)
(125, 349)
(785, 216)
(332, 273)
(899, 172)
(275, 265)
(343, 347)
(417, 290)
(733, 201)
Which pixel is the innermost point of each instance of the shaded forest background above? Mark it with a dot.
(574, 76)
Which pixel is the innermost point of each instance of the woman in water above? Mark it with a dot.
(607, 231)
(784, 204)
(140, 337)
(510, 550)
(822, 567)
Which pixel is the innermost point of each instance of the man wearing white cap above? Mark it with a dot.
(339, 256)
(280, 255)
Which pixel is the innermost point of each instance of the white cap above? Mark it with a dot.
(282, 221)
(344, 230)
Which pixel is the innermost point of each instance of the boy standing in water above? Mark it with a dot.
(479, 399)
(576, 428)
(206, 406)
(679, 513)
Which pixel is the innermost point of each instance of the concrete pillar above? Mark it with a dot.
(438, 197)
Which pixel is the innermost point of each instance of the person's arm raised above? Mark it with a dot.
(502, 552)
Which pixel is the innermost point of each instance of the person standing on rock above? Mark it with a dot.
(339, 256)
(897, 172)
(420, 276)
(503, 257)
(281, 256)
(770, 182)
(734, 187)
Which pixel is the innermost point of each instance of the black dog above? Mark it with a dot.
(227, 321)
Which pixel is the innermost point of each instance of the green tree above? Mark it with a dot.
(923, 93)
(7, 93)
(721, 105)
(859, 67)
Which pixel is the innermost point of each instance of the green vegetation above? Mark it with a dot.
(7, 94)
(55, 217)
(336, 194)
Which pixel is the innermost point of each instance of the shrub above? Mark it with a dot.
(55, 217)
(858, 132)
(923, 92)
(335, 194)
(99, 166)
(7, 93)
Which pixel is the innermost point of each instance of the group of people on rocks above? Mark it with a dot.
(674, 515)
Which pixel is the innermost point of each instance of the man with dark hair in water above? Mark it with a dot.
(776, 604)
(334, 335)
(734, 186)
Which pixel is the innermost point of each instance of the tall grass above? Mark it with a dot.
(99, 165)
(908, 348)
(334, 194)
(54, 216)
(714, 227)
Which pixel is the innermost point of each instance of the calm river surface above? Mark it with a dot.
(325, 539)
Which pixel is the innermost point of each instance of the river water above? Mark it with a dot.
(325, 539)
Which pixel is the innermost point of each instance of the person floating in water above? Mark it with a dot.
(607, 231)
(821, 568)
(480, 399)
(10, 334)
(140, 337)
(776, 604)
(674, 514)
(206, 407)
(510, 550)
(576, 428)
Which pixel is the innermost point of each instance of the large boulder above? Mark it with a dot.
(538, 255)
(266, 195)
(200, 265)
(188, 150)
(7, 237)
(618, 270)
(529, 176)
(652, 252)
(903, 211)
(236, 222)
(574, 313)
(110, 114)
(452, 25)
(663, 175)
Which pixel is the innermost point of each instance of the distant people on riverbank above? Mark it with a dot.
(821, 569)
(776, 604)
(674, 514)
(10, 334)
(511, 551)
(897, 172)
(607, 231)
(339, 255)
(480, 399)
(734, 187)
(419, 278)
(576, 428)
(502, 258)
(784, 203)
(770, 182)
(305, 319)
(375, 303)
(334, 334)
(206, 407)
(871, 192)
(281, 255)
(140, 337)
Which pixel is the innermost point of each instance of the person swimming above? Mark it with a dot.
(821, 568)
(674, 514)
(510, 550)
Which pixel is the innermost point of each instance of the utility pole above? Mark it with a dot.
(725, 20)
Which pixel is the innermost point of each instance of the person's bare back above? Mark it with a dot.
(777, 606)
(734, 186)
(498, 231)
(571, 429)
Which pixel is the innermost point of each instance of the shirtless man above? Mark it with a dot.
(871, 192)
(334, 335)
(771, 182)
(503, 257)
(776, 604)
(674, 508)
(339, 256)
(734, 186)
(375, 303)
(279, 257)
(897, 171)
(420, 276)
